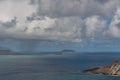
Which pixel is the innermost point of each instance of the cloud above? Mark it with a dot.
(60, 29)
(19, 20)
(59, 20)
(72, 29)
(114, 28)
(13, 12)
(67, 28)
(63, 20)
(94, 26)
(15, 8)
(8, 24)
(61, 8)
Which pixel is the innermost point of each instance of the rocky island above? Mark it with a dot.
(8, 52)
(112, 69)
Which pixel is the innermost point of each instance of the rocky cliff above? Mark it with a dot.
(112, 69)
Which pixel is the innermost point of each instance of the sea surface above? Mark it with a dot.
(67, 66)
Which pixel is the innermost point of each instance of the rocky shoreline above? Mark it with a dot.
(112, 69)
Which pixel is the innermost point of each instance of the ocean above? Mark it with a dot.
(55, 67)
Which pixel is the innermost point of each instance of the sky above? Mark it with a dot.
(54, 25)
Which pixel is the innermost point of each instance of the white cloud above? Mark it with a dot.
(63, 20)
(58, 20)
(61, 29)
(94, 26)
(114, 28)
(15, 8)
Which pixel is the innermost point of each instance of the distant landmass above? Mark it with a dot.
(7, 52)
(67, 50)
(64, 52)
(112, 69)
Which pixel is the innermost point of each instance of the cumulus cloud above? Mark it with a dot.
(61, 8)
(22, 22)
(15, 8)
(61, 29)
(114, 28)
(94, 26)
(12, 13)
(58, 20)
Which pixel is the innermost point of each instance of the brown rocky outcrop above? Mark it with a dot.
(112, 69)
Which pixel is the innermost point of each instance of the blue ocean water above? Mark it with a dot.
(54, 67)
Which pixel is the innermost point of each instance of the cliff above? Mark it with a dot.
(112, 69)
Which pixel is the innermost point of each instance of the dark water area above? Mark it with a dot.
(54, 67)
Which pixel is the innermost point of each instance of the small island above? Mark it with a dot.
(112, 69)
(67, 51)
(8, 52)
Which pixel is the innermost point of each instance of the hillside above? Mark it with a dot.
(112, 69)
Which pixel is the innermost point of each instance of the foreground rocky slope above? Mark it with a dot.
(112, 69)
